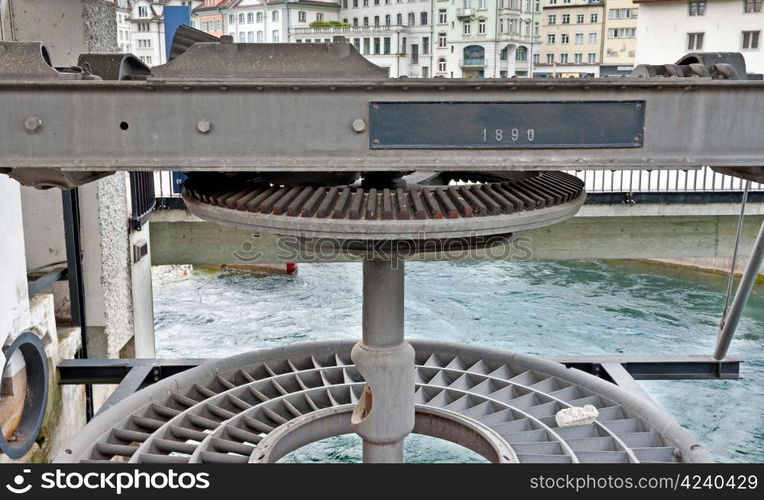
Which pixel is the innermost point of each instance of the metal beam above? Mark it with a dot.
(308, 125)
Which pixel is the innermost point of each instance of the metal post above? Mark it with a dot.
(385, 412)
(71, 206)
(741, 296)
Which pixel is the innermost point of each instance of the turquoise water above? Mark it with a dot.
(570, 307)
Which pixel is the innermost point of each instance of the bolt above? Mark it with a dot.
(359, 125)
(203, 126)
(32, 123)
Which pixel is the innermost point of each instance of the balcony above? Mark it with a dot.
(472, 62)
(341, 30)
(465, 13)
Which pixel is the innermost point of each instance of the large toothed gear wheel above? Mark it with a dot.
(485, 204)
(260, 406)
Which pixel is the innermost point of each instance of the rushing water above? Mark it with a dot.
(570, 307)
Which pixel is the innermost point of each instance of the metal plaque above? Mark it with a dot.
(502, 125)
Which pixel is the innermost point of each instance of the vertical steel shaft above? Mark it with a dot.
(741, 296)
(385, 412)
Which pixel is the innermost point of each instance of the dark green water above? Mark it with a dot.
(570, 307)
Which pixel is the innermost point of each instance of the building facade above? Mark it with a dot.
(147, 32)
(668, 29)
(410, 38)
(571, 32)
(209, 17)
(619, 37)
(124, 26)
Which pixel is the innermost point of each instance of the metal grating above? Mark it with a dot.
(227, 411)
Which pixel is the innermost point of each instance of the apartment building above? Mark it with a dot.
(209, 18)
(124, 26)
(571, 33)
(668, 29)
(619, 37)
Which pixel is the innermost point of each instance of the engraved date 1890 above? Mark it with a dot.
(514, 135)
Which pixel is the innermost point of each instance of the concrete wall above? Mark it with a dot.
(67, 27)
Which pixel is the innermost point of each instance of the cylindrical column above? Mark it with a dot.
(741, 296)
(385, 412)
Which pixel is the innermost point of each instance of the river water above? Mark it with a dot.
(566, 307)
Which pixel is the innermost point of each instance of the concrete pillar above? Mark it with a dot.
(67, 27)
(385, 412)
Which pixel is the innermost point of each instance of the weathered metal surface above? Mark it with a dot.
(185, 36)
(35, 403)
(221, 61)
(307, 125)
(416, 212)
(499, 125)
(223, 410)
(114, 66)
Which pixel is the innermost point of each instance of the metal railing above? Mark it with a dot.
(703, 180)
(142, 198)
(376, 28)
(660, 181)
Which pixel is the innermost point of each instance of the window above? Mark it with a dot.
(344, 4)
(481, 4)
(357, 44)
(376, 20)
(536, 58)
(376, 2)
(259, 17)
(622, 32)
(426, 45)
(355, 21)
(578, 58)
(242, 17)
(563, 58)
(386, 45)
(147, 59)
(377, 45)
(275, 16)
(319, 16)
(593, 18)
(425, 72)
(250, 18)
(694, 41)
(355, 3)
(521, 54)
(592, 57)
(365, 3)
(751, 39)
(503, 54)
(366, 21)
(302, 16)
(564, 38)
(414, 53)
(388, 20)
(566, 19)
(631, 13)
(442, 16)
(442, 65)
(260, 37)
(467, 29)
(593, 37)
(412, 19)
(143, 11)
(579, 18)
(752, 5)
(481, 27)
(579, 38)
(550, 38)
(441, 40)
(399, 19)
(403, 45)
(366, 45)
(550, 58)
(231, 19)
(251, 37)
(423, 18)
(242, 38)
(551, 19)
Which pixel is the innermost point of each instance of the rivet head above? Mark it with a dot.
(203, 126)
(33, 123)
(359, 125)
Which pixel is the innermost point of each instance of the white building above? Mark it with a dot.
(668, 29)
(124, 26)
